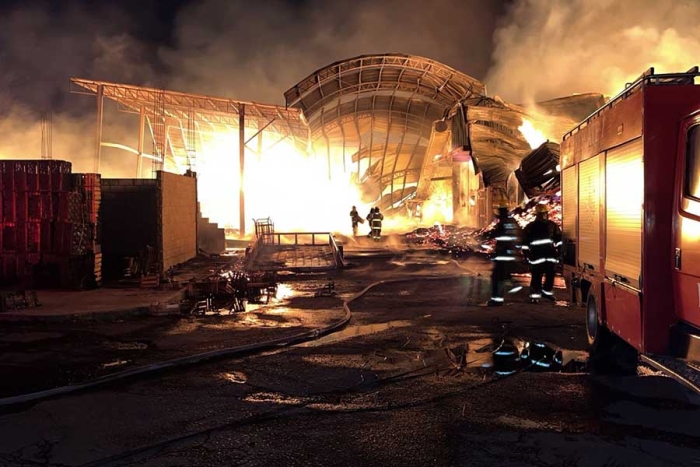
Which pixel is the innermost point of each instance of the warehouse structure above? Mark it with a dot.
(409, 130)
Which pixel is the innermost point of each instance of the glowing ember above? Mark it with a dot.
(284, 291)
(534, 137)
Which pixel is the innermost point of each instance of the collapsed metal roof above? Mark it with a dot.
(380, 110)
(374, 115)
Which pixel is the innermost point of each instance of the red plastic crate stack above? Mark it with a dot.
(34, 215)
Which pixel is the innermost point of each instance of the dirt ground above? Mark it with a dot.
(418, 377)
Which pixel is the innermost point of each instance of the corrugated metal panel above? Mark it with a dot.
(624, 172)
(589, 213)
(569, 202)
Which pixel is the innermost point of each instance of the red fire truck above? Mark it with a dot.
(630, 179)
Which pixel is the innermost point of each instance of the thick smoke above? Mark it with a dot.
(550, 48)
(40, 48)
(251, 51)
(257, 50)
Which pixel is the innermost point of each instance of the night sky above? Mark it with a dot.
(241, 49)
(255, 50)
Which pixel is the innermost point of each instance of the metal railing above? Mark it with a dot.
(319, 239)
(298, 238)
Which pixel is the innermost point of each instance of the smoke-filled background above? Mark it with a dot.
(550, 48)
(524, 49)
(245, 50)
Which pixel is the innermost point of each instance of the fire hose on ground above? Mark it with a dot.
(190, 360)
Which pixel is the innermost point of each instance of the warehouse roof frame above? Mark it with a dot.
(369, 103)
(179, 111)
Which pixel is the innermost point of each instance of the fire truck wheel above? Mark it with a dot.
(608, 353)
(594, 330)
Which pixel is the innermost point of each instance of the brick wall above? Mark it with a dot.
(178, 201)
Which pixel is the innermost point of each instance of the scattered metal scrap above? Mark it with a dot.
(328, 290)
(18, 300)
(229, 290)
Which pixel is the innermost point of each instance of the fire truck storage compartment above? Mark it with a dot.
(624, 198)
(589, 186)
(626, 321)
(569, 210)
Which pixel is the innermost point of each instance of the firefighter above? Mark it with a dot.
(542, 238)
(356, 220)
(377, 219)
(507, 235)
(369, 218)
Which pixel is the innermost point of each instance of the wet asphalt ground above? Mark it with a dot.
(421, 376)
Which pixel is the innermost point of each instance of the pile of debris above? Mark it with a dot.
(462, 241)
(539, 171)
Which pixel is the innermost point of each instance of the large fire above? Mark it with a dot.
(532, 135)
(295, 189)
(283, 183)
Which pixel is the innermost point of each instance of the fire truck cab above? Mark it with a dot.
(630, 178)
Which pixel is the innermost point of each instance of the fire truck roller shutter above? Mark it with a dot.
(624, 198)
(569, 209)
(589, 212)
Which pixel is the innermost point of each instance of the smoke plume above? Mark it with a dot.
(257, 50)
(252, 51)
(550, 48)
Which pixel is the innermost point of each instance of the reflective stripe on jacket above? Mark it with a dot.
(541, 237)
(507, 235)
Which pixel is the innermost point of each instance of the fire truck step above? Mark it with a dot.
(686, 373)
(685, 343)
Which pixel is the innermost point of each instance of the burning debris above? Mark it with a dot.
(539, 171)
(459, 241)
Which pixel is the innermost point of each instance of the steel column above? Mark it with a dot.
(260, 145)
(98, 127)
(142, 130)
(241, 155)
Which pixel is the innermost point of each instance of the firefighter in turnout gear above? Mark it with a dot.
(377, 219)
(356, 219)
(507, 235)
(369, 222)
(542, 238)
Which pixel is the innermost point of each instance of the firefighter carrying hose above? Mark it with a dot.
(542, 238)
(506, 234)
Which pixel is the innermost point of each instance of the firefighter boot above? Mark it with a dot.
(548, 295)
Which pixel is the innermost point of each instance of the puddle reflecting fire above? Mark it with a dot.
(276, 398)
(234, 377)
(512, 355)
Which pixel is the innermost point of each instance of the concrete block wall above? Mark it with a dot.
(178, 230)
